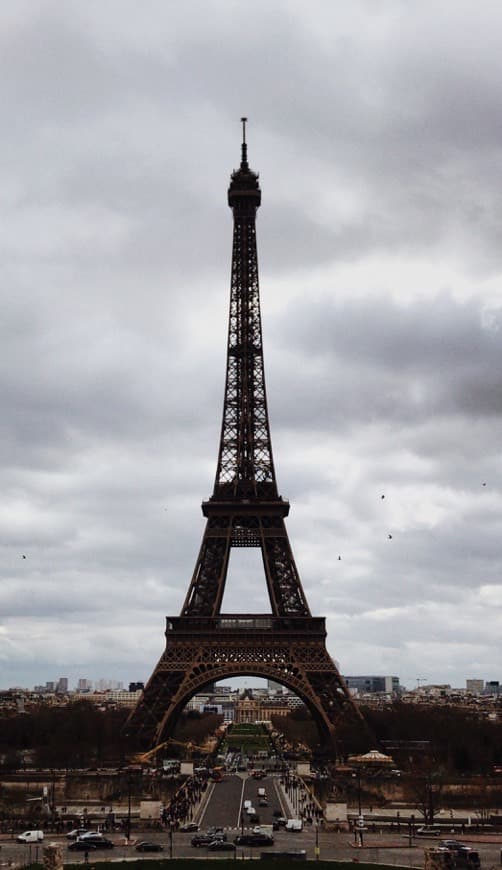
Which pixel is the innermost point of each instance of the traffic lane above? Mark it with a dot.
(223, 807)
(265, 814)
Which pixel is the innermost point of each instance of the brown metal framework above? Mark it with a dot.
(245, 510)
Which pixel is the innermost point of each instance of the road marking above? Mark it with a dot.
(238, 825)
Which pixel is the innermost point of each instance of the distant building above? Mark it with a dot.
(212, 708)
(62, 686)
(84, 686)
(247, 708)
(492, 687)
(274, 707)
(373, 685)
(112, 697)
(274, 688)
(136, 687)
(474, 686)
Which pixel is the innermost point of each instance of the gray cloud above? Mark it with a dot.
(376, 135)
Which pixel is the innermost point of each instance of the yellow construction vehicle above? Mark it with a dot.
(145, 757)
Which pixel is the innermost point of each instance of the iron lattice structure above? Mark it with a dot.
(245, 510)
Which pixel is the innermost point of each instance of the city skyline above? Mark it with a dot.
(354, 681)
(376, 138)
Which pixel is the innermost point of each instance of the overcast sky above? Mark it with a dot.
(376, 129)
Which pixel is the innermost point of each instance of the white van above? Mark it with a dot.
(294, 825)
(30, 837)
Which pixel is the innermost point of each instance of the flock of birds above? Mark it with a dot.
(389, 536)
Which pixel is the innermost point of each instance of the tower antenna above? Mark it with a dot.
(244, 158)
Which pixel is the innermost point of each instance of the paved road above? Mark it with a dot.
(381, 849)
(333, 846)
(227, 801)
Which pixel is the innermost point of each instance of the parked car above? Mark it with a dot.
(147, 846)
(189, 828)
(89, 835)
(221, 846)
(428, 831)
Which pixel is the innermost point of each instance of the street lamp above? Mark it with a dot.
(317, 850)
(358, 775)
(128, 826)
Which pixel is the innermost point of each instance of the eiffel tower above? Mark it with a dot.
(245, 510)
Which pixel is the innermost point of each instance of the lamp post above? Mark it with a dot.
(358, 775)
(317, 850)
(128, 827)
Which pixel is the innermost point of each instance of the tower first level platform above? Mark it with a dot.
(200, 650)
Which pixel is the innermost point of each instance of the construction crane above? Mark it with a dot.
(145, 757)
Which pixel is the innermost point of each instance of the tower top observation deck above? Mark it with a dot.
(244, 192)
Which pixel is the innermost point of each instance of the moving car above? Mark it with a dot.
(207, 839)
(428, 831)
(455, 845)
(221, 846)
(295, 825)
(254, 840)
(147, 846)
(189, 828)
(77, 832)
(98, 842)
(81, 846)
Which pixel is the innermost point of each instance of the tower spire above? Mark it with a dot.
(244, 147)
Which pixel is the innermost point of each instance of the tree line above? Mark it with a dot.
(81, 735)
(456, 740)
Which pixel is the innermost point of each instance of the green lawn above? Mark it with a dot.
(248, 737)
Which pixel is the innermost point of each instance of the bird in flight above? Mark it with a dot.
(389, 537)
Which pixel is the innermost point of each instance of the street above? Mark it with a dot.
(379, 849)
